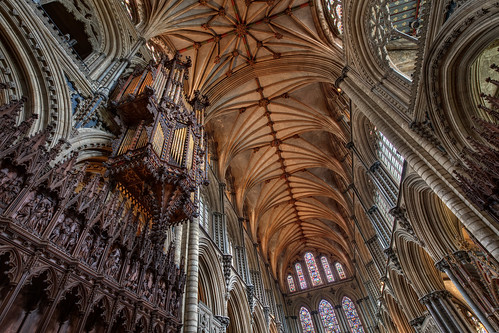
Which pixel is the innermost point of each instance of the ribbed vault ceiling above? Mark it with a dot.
(266, 69)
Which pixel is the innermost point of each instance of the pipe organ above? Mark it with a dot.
(159, 160)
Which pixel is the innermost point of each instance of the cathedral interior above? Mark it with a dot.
(237, 166)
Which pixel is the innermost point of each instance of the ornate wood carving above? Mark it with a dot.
(76, 251)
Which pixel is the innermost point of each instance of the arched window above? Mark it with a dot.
(312, 269)
(301, 277)
(327, 269)
(341, 272)
(336, 11)
(328, 318)
(389, 156)
(352, 316)
(291, 283)
(306, 321)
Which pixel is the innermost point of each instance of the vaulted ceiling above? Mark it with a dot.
(267, 68)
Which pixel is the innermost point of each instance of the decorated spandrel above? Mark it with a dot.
(306, 321)
(301, 276)
(352, 316)
(312, 269)
(327, 269)
(291, 283)
(159, 160)
(341, 272)
(328, 317)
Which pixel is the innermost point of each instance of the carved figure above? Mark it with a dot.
(25, 212)
(73, 236)
(132, 275)
(85, 248)
(162, 294)
(47, 209)
(113, 262)
(11, 190)
(96, 253)
(10, 186)
(147, 285)
(66, 226)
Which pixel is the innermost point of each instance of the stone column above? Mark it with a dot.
(342, 319)
(191, 293)
(364, 315)
(444, 312)
(317, 322)
(266, 314)
(294, 325)
(444, 266)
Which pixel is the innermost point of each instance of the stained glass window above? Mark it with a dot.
(291, 283)
(328, 318)
(336, 12)
(341, 272)
(301, 277)
(352, 316)
(306, 321)
(327, 269)
(313, 270)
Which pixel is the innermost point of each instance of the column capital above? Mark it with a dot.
(442, 265)
(435, 295)
(375, 166)
(417, 322)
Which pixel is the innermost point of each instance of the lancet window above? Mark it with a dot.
(328, 317)
(313, 269)
(301, 276)
(383, 207)
(291, 283)
(352, 316)
(327, 269)
(306, 321)
(341, 271)
(203, 215)
(389, 156)
(314, 274)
